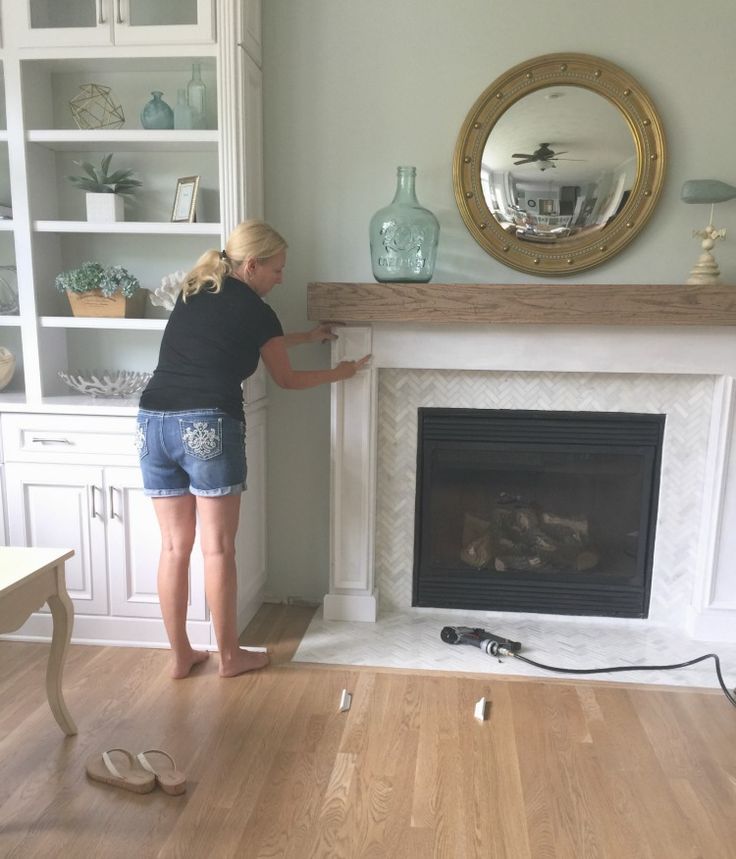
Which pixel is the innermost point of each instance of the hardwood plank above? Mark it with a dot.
(492, 788)
(523, 303)
(559, 769)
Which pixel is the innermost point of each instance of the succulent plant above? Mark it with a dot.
(99, 181)
(93, 275)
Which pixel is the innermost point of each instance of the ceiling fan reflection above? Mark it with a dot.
(542, 155)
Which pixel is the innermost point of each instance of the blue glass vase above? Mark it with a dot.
(404, 236)
(156, 113)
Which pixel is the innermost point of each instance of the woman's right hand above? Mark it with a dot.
(347, 369)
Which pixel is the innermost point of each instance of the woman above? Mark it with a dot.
(191, 430)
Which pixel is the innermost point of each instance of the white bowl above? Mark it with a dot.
(105, 383)
(7, 367)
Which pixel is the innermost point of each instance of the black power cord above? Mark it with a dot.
(496, 645)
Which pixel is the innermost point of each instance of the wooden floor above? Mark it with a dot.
(572, 770)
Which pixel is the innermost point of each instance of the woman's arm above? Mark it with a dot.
(277, 362)
(319, 334)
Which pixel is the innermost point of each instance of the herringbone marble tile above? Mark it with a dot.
(411, 640)
(686, 400)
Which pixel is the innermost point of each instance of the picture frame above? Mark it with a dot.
(185, 200)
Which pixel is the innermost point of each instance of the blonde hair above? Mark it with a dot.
(252, 239)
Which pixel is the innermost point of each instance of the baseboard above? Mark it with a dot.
(363, 607)
(115, 631)
(134, 631)
(248, 605)
(714, 624)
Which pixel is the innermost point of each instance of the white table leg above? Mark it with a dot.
(62, 612)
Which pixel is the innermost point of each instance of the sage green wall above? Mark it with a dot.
(353, 88)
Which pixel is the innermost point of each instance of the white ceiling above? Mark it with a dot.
(573, 119)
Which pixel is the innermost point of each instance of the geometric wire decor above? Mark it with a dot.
(94, 107)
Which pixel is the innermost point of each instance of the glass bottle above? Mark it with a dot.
(404, 236)
(182, 111)
(156, 113)
(197, 97)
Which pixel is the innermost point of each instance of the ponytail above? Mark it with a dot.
(251, 239)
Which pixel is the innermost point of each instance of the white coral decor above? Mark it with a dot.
(105, 383)
(165, 295)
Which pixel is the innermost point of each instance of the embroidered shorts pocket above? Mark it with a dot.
(203, 438)
(141, 437)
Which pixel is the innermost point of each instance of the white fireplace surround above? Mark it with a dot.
(710, 613)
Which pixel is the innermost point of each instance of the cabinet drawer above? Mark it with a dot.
(68, 438)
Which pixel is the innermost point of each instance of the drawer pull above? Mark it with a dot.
(113, 514)
(95, 514)
(35, 440)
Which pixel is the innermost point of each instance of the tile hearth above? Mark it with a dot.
(411, 640)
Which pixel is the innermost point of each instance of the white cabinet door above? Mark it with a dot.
(44, 23)
(79, 23)
(164, 22)
(63, 506)
(133, 545)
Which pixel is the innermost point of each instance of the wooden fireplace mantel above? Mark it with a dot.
(523, 304)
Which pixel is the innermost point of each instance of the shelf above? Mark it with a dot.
(161, 228)
(124, 141)
(6, 225)
(3, 135)
(9, 321)
(70, 404)
(15, 399)
(95, 323)
(100, 59)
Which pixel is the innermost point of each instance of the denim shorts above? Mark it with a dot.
(201, 452)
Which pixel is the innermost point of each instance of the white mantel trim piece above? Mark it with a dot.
(539, 348)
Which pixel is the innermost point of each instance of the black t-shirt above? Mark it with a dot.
(210, 345)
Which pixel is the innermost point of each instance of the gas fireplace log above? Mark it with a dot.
(532, 540)
(563, 561)
(476, 543)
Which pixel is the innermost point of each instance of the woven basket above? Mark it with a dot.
(94, 303)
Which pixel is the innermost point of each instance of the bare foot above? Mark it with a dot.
(242, 661)
(182, 667)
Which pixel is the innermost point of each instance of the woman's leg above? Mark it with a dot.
(218, 521)
(177, 521)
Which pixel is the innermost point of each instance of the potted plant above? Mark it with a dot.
(97, 290)
(105, 190)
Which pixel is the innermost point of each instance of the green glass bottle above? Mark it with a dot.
(404, 236)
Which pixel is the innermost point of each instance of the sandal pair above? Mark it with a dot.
(138, 774)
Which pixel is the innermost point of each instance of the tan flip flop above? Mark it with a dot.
(169, 779)
(129, 776)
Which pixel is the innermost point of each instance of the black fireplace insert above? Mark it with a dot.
(536, 511)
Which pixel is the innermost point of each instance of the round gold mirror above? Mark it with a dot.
(559, 164)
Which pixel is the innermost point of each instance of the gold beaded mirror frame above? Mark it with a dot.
(559, 164)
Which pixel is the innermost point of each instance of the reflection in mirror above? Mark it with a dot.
(559, 162)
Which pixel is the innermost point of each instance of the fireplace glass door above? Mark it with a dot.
(550, 512)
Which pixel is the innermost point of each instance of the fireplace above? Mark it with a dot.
(536, 511)
(640, 349)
